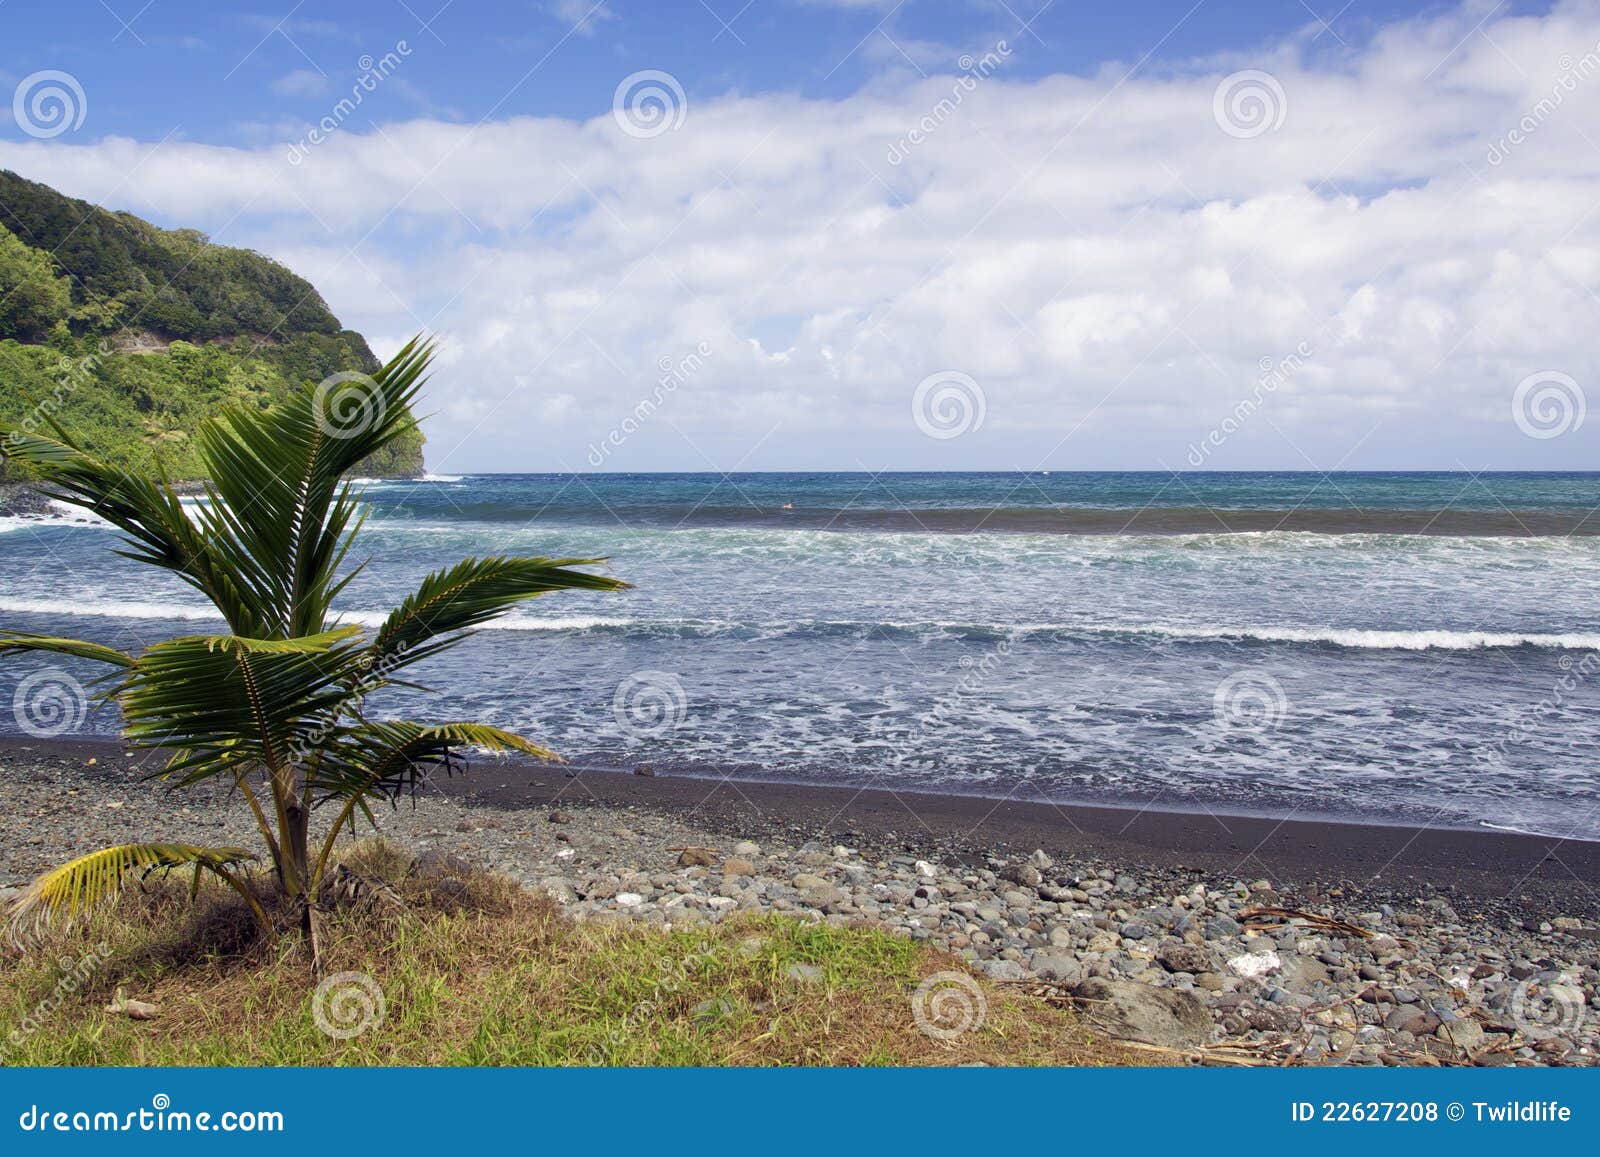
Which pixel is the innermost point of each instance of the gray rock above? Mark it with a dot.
(434, 864)
(1186, 958)
(1222, 928)
(1025, 874)
(1060, 968)
(1002, 970)
(1129, 1010)
(823, 896)
(1465, 1034)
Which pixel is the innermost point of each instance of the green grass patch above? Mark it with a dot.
(480, 972)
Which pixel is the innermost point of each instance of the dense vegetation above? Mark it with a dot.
(131, 334)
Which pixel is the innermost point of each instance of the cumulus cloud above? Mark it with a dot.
(1113, 259)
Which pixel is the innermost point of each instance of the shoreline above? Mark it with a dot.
(1546, 875)
(1321, 943)
(1487, 866)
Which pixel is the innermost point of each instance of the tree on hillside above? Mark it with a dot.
(33, 297)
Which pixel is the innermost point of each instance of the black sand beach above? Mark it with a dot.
(1526, 876)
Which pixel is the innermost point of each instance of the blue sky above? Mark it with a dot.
(940, 233)
(208, 70)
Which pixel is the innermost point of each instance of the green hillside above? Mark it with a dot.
(130, 335)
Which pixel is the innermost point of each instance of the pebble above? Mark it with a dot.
(1169, 941)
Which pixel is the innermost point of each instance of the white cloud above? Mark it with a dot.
(583, 17)
(1098, 254)
(301, 82)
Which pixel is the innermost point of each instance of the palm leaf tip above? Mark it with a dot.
(80, 885)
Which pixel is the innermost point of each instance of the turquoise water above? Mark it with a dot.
(1408, 647)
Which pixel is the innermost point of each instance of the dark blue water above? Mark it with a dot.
(1416, 647)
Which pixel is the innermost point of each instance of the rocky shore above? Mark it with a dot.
(1205, 965)
(19, 499)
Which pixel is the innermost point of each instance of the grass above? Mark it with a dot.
(477, 971)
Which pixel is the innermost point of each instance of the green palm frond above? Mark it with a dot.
(80, 885)
(147, 510)
(473, 591)
(75, 648)
(221, 701)
(275, 703)
(281, 512)
(383, 759)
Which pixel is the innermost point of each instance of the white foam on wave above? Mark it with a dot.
(63, 516)
(1355, 638)
(1377, 640)
(109, 610)
(440, 478)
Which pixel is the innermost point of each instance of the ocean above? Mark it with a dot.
(1406, 648)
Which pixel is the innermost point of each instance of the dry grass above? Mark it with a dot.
(477, 971)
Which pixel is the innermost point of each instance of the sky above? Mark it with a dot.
(861, 234)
